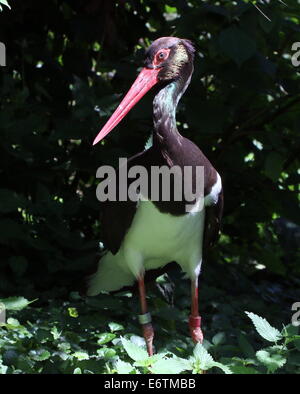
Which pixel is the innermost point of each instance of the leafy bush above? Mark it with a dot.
(74, 338)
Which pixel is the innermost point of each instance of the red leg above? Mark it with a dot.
(145, 318)
(195, 319)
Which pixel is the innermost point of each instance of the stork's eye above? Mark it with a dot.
(161, 56)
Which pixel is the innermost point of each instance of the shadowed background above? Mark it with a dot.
(69, 62)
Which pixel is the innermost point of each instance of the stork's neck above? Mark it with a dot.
(164, 113)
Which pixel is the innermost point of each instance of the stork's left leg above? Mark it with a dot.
(195, 319)
(145, 318)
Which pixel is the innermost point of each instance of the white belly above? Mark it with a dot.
(155, 239)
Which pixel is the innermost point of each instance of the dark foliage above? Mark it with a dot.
(68, 62)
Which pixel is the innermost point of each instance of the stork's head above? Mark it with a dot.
(167, 59)
(170, 55)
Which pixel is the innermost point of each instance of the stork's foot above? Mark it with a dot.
(148, 334)
(195, 329)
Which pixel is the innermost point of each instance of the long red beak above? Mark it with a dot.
(144, 82)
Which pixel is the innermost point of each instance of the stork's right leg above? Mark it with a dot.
(195, 319)
(145, 318)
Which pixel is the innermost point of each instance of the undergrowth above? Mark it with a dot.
(74, 337)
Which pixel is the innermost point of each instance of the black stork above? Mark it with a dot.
(144, 234)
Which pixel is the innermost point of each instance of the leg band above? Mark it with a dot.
(195, 322)
(145, 318)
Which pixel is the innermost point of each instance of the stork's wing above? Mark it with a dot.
(117, 216)
(213, 216)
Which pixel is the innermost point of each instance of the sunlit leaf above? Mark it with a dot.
(169, 366)
(135, 352)
(16, 303)
(271, 358)
(264, 328)
(123, 367)
(105, 338)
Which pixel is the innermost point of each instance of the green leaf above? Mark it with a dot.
(77, 371)
(150, 360)
(123, 367)
(271, 358)
(242, 369)
(135, 352)
(105, 338)
(15, 303)
(264, 328)
(219, 338)
(81, 355)
(297, 343)
(5, 3)
(12, 323)
(115, 327)
(3, 368)
(205, 359)
(64, 346)
(236, 44)
(149, 142)
(40, 355)
(170, 9)
(290, 330)
(73, 312)
(224, 368)
(245, 345)
(169, 366)
(106, 353)
(56, 334)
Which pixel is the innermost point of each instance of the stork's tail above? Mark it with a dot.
(110, 275)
